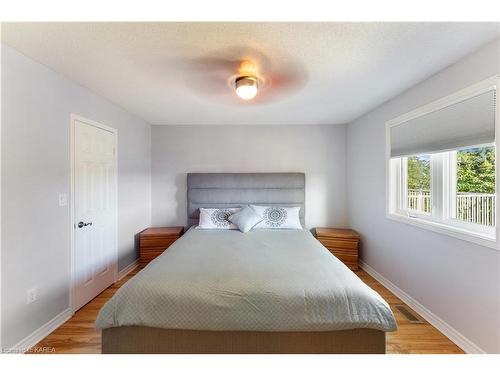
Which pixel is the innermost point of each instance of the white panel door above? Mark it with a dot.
(94, 254)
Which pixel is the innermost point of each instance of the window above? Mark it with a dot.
(474, 176)
(442, 165)
(419, 183)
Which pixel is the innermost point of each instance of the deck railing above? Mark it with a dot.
(419, 200)
(475, 208)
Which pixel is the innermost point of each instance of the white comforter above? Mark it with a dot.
(264, 280)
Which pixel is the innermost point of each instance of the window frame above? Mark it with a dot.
(443, 185)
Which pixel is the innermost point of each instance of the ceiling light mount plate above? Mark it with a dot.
(246, 80)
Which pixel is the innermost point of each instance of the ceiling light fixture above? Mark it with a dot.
(246, 87)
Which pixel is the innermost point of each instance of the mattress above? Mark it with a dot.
(264, 280)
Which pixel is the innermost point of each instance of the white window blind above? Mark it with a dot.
(467, 123)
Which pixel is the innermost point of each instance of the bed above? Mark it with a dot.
(266, 291)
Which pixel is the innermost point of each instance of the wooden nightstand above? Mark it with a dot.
(154, 241)
(343, 243)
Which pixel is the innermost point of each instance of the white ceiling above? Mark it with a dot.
(350, 68)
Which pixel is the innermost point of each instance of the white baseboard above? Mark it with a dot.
(42, 332)
(124, 272)
(464, 343)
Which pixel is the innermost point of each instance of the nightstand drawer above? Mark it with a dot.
(342, 243)
(347, 257)
(336, 243)
(149, 254)
(154, 241)
(152, 250)
(157, 242)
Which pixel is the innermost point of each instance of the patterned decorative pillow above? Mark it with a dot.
(245, 219)
(278, 217)
(216, 218)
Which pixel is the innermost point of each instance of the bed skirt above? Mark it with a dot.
(142, 340)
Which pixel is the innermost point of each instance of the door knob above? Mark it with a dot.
(81, 224)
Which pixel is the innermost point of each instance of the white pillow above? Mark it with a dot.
(216, 218)
(278, 217)
(245, 219)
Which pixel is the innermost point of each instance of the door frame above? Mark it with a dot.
(72, 222)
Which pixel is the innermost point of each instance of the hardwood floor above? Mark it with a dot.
(410, 338)
(78, 334)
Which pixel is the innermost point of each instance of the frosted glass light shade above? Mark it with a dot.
(246, 87)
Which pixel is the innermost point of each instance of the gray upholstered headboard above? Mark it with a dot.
(223, 190)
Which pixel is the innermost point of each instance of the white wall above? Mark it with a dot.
(319, 151)
(455, 279)
(36, 107)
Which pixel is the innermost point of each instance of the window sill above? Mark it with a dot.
(463, 234)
